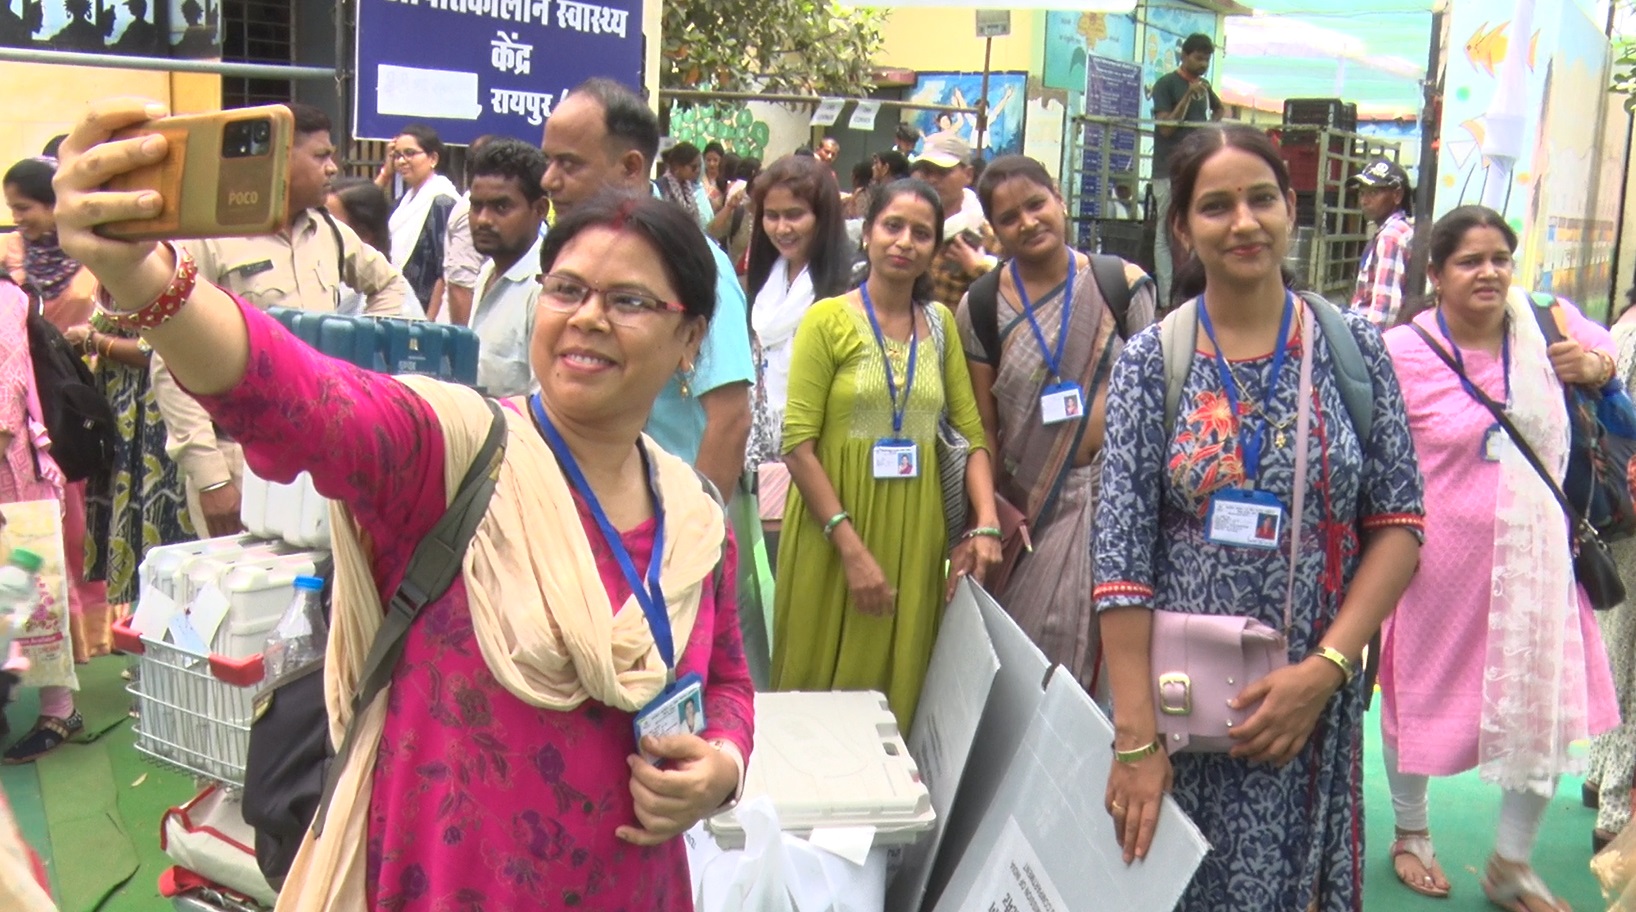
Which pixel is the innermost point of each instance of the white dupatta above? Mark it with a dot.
(408, 220)
(1534, 701)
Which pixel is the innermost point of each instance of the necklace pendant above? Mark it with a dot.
(1278, 439)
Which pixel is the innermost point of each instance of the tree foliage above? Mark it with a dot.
(1624, 53)
(785, 46)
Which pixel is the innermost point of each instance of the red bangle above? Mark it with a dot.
(167, 305)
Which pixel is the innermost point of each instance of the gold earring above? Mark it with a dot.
(685, 377)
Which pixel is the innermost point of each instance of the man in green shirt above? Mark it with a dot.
(1180, 96)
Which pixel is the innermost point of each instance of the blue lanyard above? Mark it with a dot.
(1053, 358)
(648, 595)
(1465, 381)
(1251, 449)
(898, 408)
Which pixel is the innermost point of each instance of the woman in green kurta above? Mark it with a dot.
(861, 582)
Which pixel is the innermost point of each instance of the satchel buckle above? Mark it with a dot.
(1175, 693)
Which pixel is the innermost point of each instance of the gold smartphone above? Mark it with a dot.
(227, 174)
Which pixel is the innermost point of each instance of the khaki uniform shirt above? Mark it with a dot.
(303, 267)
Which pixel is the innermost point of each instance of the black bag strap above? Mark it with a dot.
(1545, 315)
(983, 301)
(340, 246)
(1109, 272)
(1582, 528)
(431, 569)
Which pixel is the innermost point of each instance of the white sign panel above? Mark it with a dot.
(828, 110)
(1047, 830)
(863, 115)
(957, 686)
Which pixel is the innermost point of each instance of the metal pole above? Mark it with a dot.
(216, 67)
(982, 101)
(1414, 279)
(783, 98)
(343, 75)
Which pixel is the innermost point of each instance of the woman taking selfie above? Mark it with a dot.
(1180, 529)
(861, 585)
(1041, 347)
(501, 762)
(1493, 659)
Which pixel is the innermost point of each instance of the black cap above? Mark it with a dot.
(1382, 172)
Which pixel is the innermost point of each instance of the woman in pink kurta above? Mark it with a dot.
(501, 770)
(1457, 691)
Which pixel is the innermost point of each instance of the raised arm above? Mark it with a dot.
(364, 437)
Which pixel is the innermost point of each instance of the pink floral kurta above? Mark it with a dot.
(19, 477)
(481, 802)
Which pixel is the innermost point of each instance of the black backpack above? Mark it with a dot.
(77, 417)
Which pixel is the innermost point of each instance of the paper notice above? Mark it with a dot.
(1014, 880)
(851, 843)
(154, 609)
(828, 110)
(417, 92)
(209, 609)
(863, 115)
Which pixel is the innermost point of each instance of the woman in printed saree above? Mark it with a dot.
(1043, 396)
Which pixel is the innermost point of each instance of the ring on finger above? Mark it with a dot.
(1117, 807)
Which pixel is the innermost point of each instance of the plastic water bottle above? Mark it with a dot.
(298, 639)
(19, 591)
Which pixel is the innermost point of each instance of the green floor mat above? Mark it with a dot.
(92, 853)
(22, 783)
(146, 791)
(102, 698)
(1465, 813)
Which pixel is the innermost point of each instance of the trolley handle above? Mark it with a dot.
(245, 672)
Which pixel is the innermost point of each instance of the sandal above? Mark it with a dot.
(1518, 887)
(48, 734)
(1419, 846)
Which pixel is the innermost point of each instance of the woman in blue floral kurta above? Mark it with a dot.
(1284, 818)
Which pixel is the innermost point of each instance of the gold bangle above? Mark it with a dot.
(1340, 660)
(1139, 754)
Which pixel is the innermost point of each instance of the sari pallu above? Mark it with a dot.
(1037, 473)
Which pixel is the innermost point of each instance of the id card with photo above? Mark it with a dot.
(1062, 402)
(896, 458)
(1244, 519)
(679, 710)
(1495, 442)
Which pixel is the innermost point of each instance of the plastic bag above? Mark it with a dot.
(777, 872)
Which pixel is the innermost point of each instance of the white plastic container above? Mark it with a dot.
(195, 572)
(257, 594)
(160, 568)
(832, 760)
(294, 512)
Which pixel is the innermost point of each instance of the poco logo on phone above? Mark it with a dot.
(243, 198)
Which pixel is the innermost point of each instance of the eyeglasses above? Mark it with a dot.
(624, 308)
(397, 155)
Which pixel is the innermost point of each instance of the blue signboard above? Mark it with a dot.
(470, 67)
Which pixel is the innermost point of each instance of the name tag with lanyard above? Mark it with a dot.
(896, 456)
(1060, 400)
(1247, 517)
(1495, 439)
(679, 707)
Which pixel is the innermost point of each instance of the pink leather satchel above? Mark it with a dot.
(1200, 661)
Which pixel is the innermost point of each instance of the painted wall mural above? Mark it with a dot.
(1007, 105)
(1070, 36)
(1523, 124)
